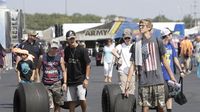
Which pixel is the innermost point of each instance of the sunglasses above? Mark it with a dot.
(127, 38)
(142, 26)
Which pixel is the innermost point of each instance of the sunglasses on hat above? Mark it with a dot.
(127, 38)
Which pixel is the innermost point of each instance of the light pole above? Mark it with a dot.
(66, 7)
(24, 15)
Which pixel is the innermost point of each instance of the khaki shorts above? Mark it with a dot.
(123, 79)
(152, 96)
(55, 93)
(75, 93)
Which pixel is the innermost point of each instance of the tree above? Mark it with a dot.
(189, 21)
(161, 18)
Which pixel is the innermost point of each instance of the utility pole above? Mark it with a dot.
(24, 15)
(66, 7)
(195, 6)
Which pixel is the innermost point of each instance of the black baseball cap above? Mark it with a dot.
(70, 34)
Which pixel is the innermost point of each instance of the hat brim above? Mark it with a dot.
(71, 37)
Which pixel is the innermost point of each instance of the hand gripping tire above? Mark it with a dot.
(125, 104)
(109, 95)
(31, 97)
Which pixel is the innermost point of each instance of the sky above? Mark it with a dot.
(172, 9)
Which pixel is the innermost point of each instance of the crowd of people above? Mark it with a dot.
(153, 60)
(64, 72)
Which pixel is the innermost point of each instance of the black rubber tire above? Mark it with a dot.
(124, 104)
(109, 95)
(31, 97)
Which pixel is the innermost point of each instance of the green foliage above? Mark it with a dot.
(189, 21)
(43, 21)
(161, 18)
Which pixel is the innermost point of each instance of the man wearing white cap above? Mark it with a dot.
(172, 58)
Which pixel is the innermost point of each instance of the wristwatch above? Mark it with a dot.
(87, 78)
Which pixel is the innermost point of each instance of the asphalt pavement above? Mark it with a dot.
(8, 84)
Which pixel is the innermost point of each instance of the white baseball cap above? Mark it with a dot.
(165, 31)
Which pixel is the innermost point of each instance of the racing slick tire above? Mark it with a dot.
(125, 104)
(31, 97)
(109, 95)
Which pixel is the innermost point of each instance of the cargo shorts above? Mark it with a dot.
(55, 93)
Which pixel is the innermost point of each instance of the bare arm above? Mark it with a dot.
(85, 82)
(131, 71)
(33, 75)
(64, 71)
(114, 52)
(38, 69)
(18, 76)
(177, 63)
(129, 77)
(88, 70)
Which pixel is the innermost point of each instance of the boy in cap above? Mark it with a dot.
(78, 72)
(172, 58)
(53, 69)
(25, 67)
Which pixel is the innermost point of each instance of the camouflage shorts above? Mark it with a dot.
(55, 93)
(152, 96)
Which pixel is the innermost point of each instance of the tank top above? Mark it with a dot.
(51, 69)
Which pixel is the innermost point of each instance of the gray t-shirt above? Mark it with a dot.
(150, 73)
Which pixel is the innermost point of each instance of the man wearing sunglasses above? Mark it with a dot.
(151, 83)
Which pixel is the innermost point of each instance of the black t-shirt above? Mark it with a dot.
(76, 60)
(25, 68)
(34, 48)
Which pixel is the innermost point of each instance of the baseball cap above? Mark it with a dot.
(127, 33)
(165, 31)
(32, 32)
(70, 34)
(54, 45)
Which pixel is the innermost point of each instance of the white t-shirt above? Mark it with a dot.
(124, 52)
